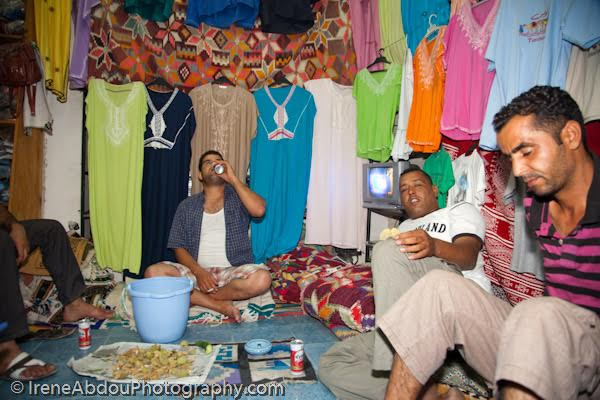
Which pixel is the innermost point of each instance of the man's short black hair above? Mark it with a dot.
(208, 153)
(416, 168)
(550, 106)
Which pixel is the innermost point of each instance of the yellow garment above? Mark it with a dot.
(53, 35)
(393, 39)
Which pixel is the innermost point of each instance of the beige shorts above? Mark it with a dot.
(222, 275)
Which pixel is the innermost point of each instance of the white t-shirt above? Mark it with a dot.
(582, 80)
(448, 223)
(211, 250)
(469, 178)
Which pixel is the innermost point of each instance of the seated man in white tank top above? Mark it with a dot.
(210, 238)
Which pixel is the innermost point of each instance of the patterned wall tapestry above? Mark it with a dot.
(127, 47)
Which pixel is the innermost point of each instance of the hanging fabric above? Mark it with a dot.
(280, 163)
(428, 96)
(116, 119)
(226, 122)
(439, 167)
(170, 125)
(468, 80)
(334, 212)
(377, 96)
(531, 45)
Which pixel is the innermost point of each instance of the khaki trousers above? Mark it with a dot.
(545, 344)
(346, 369)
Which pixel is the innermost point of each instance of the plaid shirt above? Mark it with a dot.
(187, 223)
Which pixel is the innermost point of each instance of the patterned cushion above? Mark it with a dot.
(288, 268)
(340, 295)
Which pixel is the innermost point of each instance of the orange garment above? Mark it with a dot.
(423, 133)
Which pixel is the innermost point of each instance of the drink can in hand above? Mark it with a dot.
(219, 169)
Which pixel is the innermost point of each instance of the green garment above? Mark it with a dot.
(116, 122)
(153, 10)
(392, 32)
(439, 167)
(377, 96)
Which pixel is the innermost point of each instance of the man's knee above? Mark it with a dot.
(537, 312)
(155, 270)
(387, 250)
(261, 280)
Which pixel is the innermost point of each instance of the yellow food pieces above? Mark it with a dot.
(153, 363)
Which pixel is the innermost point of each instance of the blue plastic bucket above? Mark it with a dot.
(160, 307)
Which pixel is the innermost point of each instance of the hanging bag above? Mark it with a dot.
(19, 67)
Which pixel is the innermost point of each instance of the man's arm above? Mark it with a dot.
(462, 251)
(17, 233)
(251, 201)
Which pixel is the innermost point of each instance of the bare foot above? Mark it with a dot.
(453, 394)
(79, 309)
(9, 350)
(231, 311)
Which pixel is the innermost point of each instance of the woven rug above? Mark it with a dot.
(274, 310)
(234, 366)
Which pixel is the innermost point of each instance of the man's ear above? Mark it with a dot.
(435, 191)
(571, 135)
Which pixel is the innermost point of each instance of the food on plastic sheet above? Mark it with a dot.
(154, 363)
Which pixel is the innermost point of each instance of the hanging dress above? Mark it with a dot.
(428, 96)
(280, 161)
(170, 125)
(225, 122)
(116, 116)
(334, 212)
(377, 97)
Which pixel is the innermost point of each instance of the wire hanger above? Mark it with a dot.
(222, 80)
(160, 82)
(432, 27)
(280, 80)
(380, 58)
(478, 3)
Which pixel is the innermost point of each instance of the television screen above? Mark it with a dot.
(381, 182)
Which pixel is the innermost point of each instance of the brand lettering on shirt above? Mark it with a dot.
(433, 227)
(535, 29)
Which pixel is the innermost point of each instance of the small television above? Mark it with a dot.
(381, 185)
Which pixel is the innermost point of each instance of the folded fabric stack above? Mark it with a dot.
(12, 17)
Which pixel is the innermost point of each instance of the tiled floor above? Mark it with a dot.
(317, 339)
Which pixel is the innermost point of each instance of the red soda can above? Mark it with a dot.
(85, 335)
(297, 357)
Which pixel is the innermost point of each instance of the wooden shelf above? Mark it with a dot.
(8, 36)
(8, 121)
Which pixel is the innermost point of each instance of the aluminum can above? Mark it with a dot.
(85, 335)
(297, 357)
(219, 169)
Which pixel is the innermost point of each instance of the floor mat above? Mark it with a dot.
(281, 310)
(43, 332)
(234, 366)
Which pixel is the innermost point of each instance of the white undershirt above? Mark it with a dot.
(211, 250)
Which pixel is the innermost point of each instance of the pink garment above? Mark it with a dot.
(468, 80)
(364, 16)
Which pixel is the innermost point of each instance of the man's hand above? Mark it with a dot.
(228, 174)
(418, 243)
(19, 237)
(206, 281)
